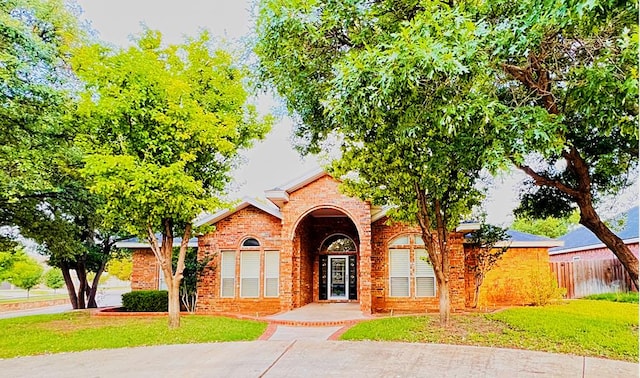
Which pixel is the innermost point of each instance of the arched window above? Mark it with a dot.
(251, 242)
(405, 252)
(338, 243)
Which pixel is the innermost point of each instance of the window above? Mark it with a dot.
(425, 276)
(338, 243)
(399, 272)
(249, 274)
(228, 274)
(271, 273)
(410, 273)
(251, 242)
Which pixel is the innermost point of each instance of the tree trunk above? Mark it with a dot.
(174, 303)
(476, 292)
(590, 219)
(445, 303)
(71, 290)
(82, 284)
(93, 289)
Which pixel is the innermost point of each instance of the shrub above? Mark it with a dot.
(542, 288)
(146, 301)
(631, 297)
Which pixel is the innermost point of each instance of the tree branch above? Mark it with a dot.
(541, 180)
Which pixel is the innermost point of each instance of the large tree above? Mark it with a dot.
(565, 73)
(410, 103)
(163, 126)
(568, 71)
(41, 192)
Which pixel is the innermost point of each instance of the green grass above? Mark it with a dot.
(77, 331)
(629, 297)
(582, 327)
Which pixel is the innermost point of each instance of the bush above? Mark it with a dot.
(542, 288)
(146, 301)
(631, 297)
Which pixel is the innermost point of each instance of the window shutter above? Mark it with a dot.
(425, 276)
(271, 273)
(399, 272)
(228, 274)
(250, 274)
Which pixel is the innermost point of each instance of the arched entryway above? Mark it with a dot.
(325, 258)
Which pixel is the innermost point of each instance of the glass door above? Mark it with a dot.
(338, 273)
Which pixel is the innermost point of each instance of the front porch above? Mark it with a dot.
(320, 315)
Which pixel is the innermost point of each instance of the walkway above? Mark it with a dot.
(315, 321)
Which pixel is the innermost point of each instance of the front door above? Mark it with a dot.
(338, 275)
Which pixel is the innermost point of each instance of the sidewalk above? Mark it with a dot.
(312, 358)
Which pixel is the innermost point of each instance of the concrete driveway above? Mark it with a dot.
(313, 358)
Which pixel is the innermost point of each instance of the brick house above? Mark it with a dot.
(311, 243)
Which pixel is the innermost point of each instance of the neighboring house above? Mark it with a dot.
(582, 244)
(308, 242)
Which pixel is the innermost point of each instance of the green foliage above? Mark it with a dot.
(78, 331)
(121, 268)
(53, 278)
(163, 127)
(145, 301)
(26, 274)
(550, 227)
(541, 288)
(8, 260)
(588, 328)
(630, 297)
(193, 270)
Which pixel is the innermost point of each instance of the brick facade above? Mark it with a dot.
(310, 213)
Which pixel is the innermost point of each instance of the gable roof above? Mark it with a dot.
(582, 238)
(246, 202)
(280, 195)
(524, 240)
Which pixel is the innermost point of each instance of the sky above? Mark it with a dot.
(273, 161)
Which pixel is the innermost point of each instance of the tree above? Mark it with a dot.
(53, 279)
(550, 227)
(35, 38)
(40, 189)
(163, 126)
(26, 274)
(121, 268)
(8, 260)
(193, 270)
(409, 100)
(568, 72)
(485, 254)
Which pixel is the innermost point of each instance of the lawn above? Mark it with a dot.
(76, 331)
(583, 327)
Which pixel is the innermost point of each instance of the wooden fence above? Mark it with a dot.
(586, 277)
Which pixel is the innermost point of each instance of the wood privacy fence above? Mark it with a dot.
(586, 277)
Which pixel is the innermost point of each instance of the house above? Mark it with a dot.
(308, 242)
(582, 244)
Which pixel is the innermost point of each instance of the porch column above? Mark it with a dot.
(364, 278)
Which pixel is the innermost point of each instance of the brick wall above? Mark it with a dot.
(144, 275)
(507, 283)
(228, 236)
(383, 233)
(319, 194)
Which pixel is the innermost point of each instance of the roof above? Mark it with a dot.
(524, 240)
(136, 243)
(246, 202)
(280, 195)
(583, 239)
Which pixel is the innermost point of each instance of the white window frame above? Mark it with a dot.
(250, 273)
(398, 273)
(271, 272)
(227, 272)
(423, 270)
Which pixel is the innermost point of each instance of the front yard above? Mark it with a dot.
(76, 331)
(583, 327)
